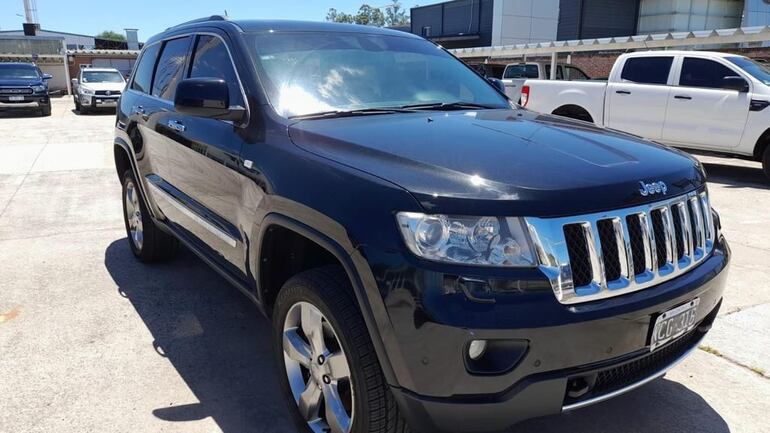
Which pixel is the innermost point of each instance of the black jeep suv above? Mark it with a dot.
(432, 256)
(24, 85)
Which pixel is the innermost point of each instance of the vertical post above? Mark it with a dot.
(66, 66)
(553, 66)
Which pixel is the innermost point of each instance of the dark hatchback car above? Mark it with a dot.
(432, 257)
(24, 85)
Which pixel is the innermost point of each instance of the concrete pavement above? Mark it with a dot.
(92, 341)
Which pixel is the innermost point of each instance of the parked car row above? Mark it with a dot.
(25, 86)
(707, 101)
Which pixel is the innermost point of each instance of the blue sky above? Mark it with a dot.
(153, 16)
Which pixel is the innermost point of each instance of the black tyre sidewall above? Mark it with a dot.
(766, 162)
(300, 289)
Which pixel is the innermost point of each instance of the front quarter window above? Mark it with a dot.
(309, 72)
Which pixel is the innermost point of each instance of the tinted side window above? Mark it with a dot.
(647, 70)
(143, 74)
(574, 74)
(170, 68)
(211, 60)
(703, 73)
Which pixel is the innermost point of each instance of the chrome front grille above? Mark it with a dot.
(606, 254)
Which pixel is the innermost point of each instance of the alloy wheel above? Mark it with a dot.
(134, 215)
(318, 370)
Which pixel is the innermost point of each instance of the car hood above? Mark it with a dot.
(501, 162)
(19, 82)
(113, 87)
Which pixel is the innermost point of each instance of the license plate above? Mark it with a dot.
(674, 323)
(15, 98)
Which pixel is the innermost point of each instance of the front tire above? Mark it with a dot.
(331, 375)
(766, 162)
(45, 110)
(147, 241)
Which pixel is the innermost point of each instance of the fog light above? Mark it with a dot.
(476, 349)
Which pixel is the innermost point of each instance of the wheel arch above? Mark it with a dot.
(762, 143)
(280, 224)
(573, 111)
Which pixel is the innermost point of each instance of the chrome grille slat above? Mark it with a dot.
(684, 219)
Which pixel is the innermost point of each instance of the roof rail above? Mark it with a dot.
(200, 20)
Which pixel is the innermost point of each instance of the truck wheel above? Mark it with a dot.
(147, 241)
(78, 108)
(331, 375)
(45, 110)
(766, 161)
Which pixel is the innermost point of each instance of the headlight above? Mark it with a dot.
(38, 89)
(485, 241)
(85, 90)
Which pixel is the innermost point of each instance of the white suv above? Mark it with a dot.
(96, 88)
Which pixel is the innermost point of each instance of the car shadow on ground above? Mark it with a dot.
(17, 113)
(219, 343)
(737, 176)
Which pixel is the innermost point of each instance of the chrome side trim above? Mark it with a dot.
(631, 387)
(216, 231)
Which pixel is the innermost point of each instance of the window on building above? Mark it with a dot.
(143, 74)
(170, 68)
(211, 60)
(703, 73)
(647, 70)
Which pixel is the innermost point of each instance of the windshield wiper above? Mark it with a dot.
(448, 106)
(349, 113)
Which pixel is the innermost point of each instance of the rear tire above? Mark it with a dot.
(766, 162)
(147, 241)
(322, 299)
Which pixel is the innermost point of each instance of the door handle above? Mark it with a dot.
(685, 97)
(176, 125)
(622, 92)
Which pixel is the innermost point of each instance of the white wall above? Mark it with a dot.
(663, 16)
(524, 21)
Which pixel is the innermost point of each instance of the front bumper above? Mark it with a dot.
(552, 345)
(98, 101)
(27, 101)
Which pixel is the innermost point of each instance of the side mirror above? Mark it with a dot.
(734, 82)
(47, 76)
(497, 83)
(206, 97)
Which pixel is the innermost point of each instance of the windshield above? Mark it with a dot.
(18, 72)
(757, 70)
(102, 77)
(313, 72)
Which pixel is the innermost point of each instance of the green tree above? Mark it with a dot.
(395, 14)
(370, 16)
(338, 17)
(113, 36)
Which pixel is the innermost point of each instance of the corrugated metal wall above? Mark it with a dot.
(584, 19)
(459, 17)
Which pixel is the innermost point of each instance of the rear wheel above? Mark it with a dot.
(147, 241)
(331, 373)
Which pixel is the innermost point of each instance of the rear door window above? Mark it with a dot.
(647, 70)
(143, 74)
(704, 73)
(170, 68)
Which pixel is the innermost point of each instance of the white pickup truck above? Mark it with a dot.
(709, 101)
(516, 74)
